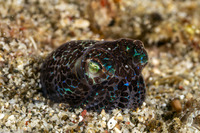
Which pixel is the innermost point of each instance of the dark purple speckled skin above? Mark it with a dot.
(118, 84)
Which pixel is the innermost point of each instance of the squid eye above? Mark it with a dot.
(94, 67)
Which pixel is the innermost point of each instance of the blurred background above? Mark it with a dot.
(53, 22)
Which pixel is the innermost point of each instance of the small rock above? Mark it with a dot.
(176, 105)
(155, 61)
(50, 114)
(111, 123)
(156, 71)
(81, 23)
(104, 118)
(1, 58)
(80, 118)
(181, 88)
(189, 103)
(197, 121)
(6, 105)
(11, 118)
(1, 116)
(189, 96)
(103, 124)
(117, 129)
(103, 113)
(119, 117)
(127, 123)
(186, 82)
(65, 117)
(83, 113)
(54, 118)
(182, 97)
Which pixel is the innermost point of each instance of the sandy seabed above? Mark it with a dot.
(30, 30)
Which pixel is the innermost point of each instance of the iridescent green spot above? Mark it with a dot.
(111, 99)
(103, 107)
(112, 71)
(108, 67)
(127, 97)
(54, 58)
(127, 84)
(106, 58)
(143, 60)
(107, 76)
(73, 86)
(141, 56)
(136, 53)
(127, 48)
(138, 85)
(94, 67)
(98, 55)
(67, 89)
